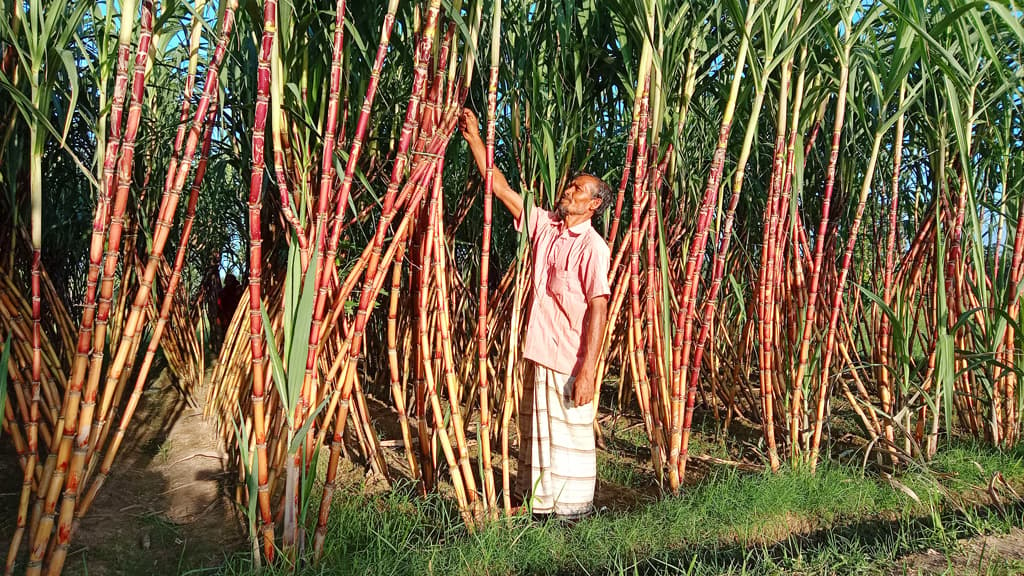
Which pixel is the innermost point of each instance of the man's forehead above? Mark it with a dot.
(585, 180)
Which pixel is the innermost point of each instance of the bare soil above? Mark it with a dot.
(165, 508)
(168, 506)
(1002, 554)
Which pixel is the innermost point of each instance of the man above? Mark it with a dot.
(227, 301)
(557, 457)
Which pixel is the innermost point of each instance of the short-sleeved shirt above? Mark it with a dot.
(570, 268)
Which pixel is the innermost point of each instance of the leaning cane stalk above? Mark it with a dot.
(885, 389)
(116, 226)
(837, 298)
(693, 263)
(80, 408)
(256, 346)
(57, 460)
(483, 431)
(716, 280)
(810, 318)
(158, 330)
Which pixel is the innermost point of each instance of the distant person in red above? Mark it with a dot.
(230, 294)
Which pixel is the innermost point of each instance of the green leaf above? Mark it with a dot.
(276, 367)
(303, 318)
(72, 71)
(4, 359)
(300, 434)
(251, 480)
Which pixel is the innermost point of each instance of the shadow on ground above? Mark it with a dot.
(166, 506)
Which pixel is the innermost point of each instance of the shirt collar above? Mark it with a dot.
(577, 229)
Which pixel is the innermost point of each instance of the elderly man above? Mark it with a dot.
(557, 457)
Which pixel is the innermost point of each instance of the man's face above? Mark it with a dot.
(576, 199)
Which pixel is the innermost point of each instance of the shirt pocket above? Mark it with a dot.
(567, 292)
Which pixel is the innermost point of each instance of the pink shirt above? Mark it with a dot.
(570, 267)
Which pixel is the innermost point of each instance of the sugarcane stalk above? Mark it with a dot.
(81, 361)
(116, 226)
(837, 297)
(885, 388)
(696, 256)
(158, 330)
(256, 275)
(483, 431)
(810, 318)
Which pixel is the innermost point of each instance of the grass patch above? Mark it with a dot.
(838, 520)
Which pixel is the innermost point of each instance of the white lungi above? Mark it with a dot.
(557, 456)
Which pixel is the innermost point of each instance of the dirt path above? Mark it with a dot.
(166, 507)
(1002, 554)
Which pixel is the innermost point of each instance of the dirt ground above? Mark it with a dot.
(164, 509)
(1003, 554)
(167, 508)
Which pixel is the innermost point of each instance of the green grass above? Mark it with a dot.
(835, 521)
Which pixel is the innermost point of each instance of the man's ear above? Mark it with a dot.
(595, 204)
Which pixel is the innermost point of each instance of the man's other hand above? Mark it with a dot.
(469, 125)
(583, 388)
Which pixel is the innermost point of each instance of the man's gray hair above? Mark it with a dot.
(600, 190)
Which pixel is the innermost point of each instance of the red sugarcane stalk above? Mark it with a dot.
(696, 256)
(74, 397)
(655, 287)
(57, 462)
(885, 327)
(483, 431)
(819, 247)
(423, 319)
(190, 82)
(31, 446)
(135, 320)
(837, 300)
(350, 168)
(116, 227)
(397, 390)
(633, 128)
(771, 246)
(1016, 275)
(718, 272)
(349, 362)
(326, 163)
(782, 241)
(636, 326)
(327, 157)
(158, 330)
(263, 80)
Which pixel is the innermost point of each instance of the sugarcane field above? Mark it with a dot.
(504, 287)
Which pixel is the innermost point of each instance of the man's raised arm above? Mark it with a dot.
(470, 127)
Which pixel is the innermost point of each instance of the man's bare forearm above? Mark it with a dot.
(500, 186)
(597, 315)
(586, 384)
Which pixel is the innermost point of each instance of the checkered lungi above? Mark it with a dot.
(557, 456)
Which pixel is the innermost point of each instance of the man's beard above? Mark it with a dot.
(560, 212)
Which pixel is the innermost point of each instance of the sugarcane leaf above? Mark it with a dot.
(251, 480)
(309, 470)
(5, 357)
(292, 292)
(276, 367)
(31, 114)
(894, 320)
(456, 16)
(70, 24)
(300, 434)
(301, 334)
(72, 71)
(665, 273)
